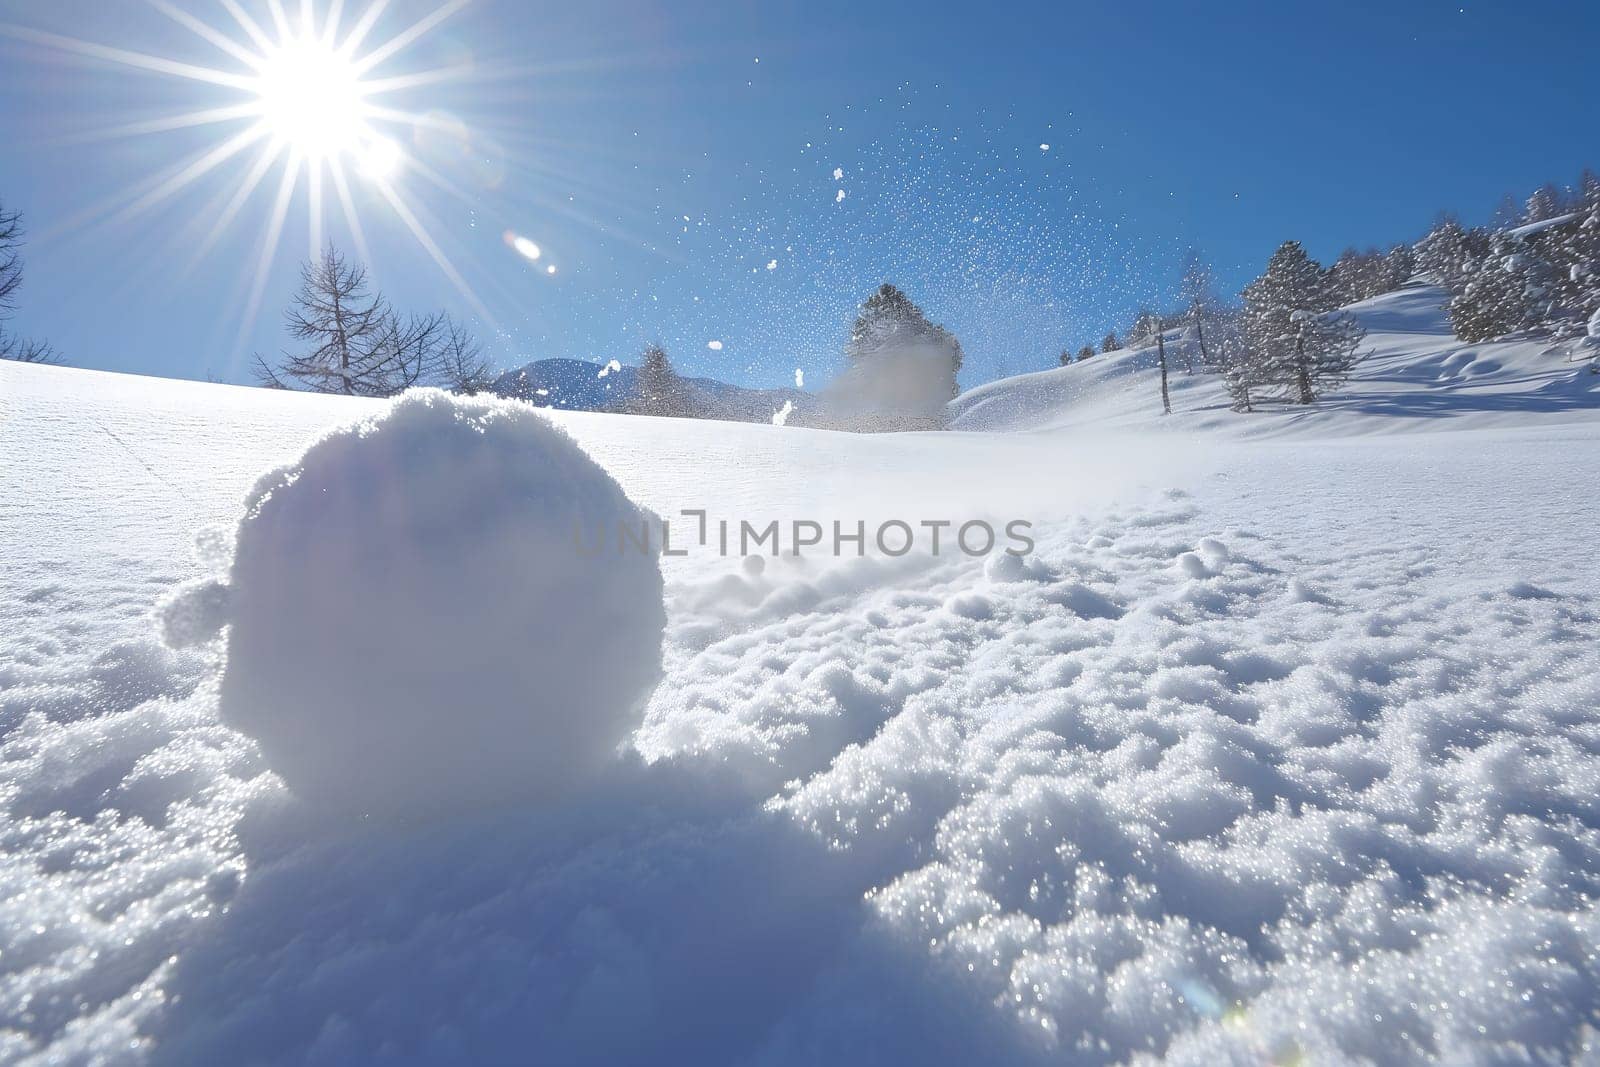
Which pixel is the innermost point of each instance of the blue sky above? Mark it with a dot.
(662, 155)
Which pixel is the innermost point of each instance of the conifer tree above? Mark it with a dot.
(1507, 214)
(1298, 343)
(1109, 343)
(1447, 252)
(1399, 264)
(1583, 255)
(889, 323)
(1343, 278)
(1509, 289)
(1242, 373)
(1573, 254)
(1145, 325)
(1588, 187)
(1357, 276)
(657, 388)
(1546, 202)
(1325, 347)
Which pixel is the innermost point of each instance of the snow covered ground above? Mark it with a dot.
(1416, 376)
(1276, 749)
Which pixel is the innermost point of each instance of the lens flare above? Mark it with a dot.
(523, 246)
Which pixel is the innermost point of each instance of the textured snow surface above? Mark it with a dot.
(1292, 750)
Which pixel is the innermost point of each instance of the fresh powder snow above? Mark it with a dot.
(1279, 747)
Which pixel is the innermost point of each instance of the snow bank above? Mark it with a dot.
(414, 626)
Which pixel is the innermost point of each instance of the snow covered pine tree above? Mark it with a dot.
(1506, 290)
(1145, 325)
(889, 322)
(901, 368)
(1446, 252)
(1573, 253)
(657, 390)
(1241, 373)
(1298, 342)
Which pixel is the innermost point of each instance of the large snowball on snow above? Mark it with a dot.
(415, 627)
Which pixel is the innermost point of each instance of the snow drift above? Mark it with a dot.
(414, 626)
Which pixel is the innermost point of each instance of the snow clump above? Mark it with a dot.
(415, 626)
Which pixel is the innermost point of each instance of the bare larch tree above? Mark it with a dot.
(11, 346)
(360, 346)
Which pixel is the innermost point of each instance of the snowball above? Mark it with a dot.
(1193, 566)
(715, 346)
(1303, 592)
(781, 416)
(1005, 567)
(1215, 553)
(973, 606)
(415, 626)
(193, 613)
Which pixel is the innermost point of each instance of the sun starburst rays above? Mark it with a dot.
(303, 90)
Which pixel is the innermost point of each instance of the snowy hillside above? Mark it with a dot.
(1416, 375)
(579, 385)
(1271, 751)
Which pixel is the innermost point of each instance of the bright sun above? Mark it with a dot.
(312, 99)
(307, 93)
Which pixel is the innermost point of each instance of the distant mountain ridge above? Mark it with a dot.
(582, 385)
